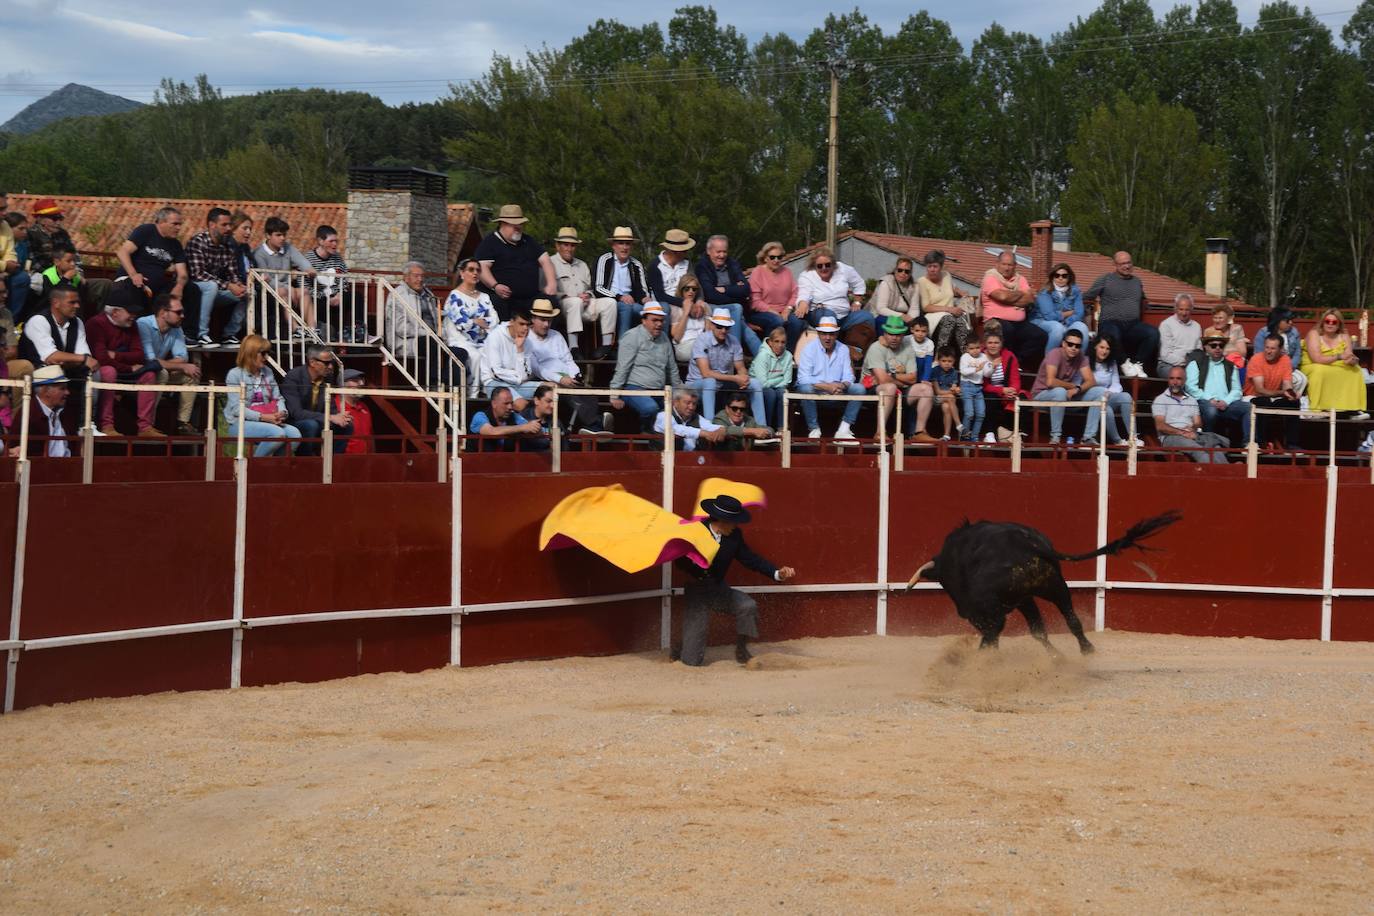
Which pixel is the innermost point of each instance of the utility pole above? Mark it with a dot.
(836, 64)
(833, 160)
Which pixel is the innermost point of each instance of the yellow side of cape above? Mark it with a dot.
(625, 530)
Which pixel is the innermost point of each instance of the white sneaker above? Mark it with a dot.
(1132, 369)
(990, 437)
(844, 434)
(814, 434)
(97, 433)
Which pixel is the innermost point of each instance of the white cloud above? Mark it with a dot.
(128, 29)
(319, 44)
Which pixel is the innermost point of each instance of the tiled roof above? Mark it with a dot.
(99, 224)
(974, 260)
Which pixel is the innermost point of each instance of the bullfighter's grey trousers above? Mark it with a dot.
(701, 601)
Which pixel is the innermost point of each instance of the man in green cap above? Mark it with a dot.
(890, 368)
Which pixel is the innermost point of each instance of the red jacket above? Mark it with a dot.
(360, 435)
(1011, 373)
(103, 336)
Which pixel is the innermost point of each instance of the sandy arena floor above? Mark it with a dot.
(1164, 774)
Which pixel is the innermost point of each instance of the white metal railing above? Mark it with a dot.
(335, 310)
(94, 387)
(786, 433)
(453, 415)
(237, 623)
(415, 347)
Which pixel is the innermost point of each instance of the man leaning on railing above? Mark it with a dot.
(407, 306)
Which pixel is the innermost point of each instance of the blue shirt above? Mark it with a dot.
(819, 366)
(721, 356)
(158, 345)
(944, 378)
(494, 443)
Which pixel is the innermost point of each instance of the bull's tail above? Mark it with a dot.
(1132, 538)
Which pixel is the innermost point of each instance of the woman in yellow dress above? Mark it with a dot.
(1335, 380)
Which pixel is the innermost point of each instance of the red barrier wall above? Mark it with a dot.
(194, 661)
(117, 556)
(344, 546)
(360, 544)
(343, 648)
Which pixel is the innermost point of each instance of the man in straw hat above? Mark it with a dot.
(825, 368)
(1215, 383)
(668, 269)
(551, 361)
(48, 414)
(707, 592)
(577, 300)
(515, 267)
(620, 278)
(645, 361)
(718, 364)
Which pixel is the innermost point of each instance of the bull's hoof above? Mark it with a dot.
(1087, 648)
(742, 655)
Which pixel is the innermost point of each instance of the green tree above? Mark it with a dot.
(1276, 181)
(1141, 180)
(633, 154)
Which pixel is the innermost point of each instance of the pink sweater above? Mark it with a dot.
(772, 291)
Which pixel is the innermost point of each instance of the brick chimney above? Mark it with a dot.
(1218, 267)
(1042, 252)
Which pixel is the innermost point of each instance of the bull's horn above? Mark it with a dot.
(920, 572)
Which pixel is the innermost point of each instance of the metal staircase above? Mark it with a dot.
(356, 312)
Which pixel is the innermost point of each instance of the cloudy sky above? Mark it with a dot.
(400, 51)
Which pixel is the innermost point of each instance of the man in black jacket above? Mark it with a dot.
(708, 592)
(303, 390)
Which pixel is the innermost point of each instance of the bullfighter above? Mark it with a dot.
(708, 592)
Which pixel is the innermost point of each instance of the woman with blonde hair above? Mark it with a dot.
(773, 295)
(896, 294)
(262, 407)
(1335, 380)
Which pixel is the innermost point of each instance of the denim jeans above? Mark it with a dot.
(974, 409)
(627, 316)
(1056, 413)
(647, 408)
(1092, 426)
(1055, 331)
(19, 290)
(1139, 339)
(275, 436)
(1238, 411)
(791, 325)
(772, 407)
(855, 316)
(709, 386)
(210, 296)
(1124, 406)
(851, 409)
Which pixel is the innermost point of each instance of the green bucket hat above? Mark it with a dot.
(893, 325)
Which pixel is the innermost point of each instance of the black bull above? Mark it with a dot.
(990, 569)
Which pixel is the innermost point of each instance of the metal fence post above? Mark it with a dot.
(665, 613)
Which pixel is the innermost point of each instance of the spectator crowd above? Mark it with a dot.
(524, 322)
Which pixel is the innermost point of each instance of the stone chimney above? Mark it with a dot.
(1063, 238)
(1042, 252)
(397, 215)
(1218, 267)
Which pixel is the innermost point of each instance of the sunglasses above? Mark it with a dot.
(1071, 346)
(774, 257)
(825, 266)
(1061, 276)
(902, 270)
(1330, 321)
(1214, 345)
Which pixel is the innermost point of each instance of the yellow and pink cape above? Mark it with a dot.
(632, 532)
